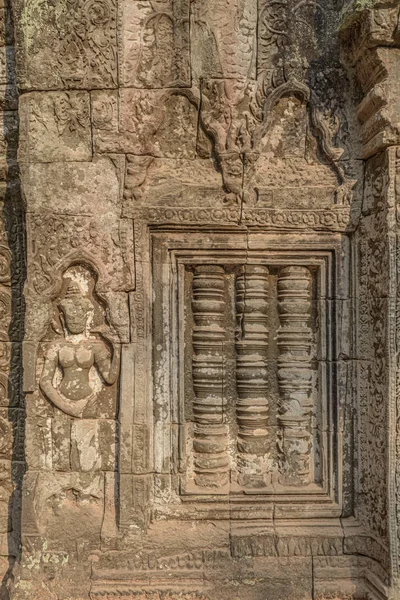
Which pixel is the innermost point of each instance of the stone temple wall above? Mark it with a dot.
(199, 301)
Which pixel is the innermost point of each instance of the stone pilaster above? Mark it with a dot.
(371, 43)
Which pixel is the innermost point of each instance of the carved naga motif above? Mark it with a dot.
(295, 374)
(238, 96)
(211, 463)
(251, 360)
(230, 28)
(164, 52)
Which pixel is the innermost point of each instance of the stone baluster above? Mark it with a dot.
(211, 462)
(295, 375)
(251, 359)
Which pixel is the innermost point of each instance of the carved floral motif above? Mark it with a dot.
(71, 112)
(56, 237)
(375, 248)
(73, 45)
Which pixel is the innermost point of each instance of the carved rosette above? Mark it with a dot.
(211, 463)
(295, 375)
(251, 358)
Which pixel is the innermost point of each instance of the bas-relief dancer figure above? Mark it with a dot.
(75, 355)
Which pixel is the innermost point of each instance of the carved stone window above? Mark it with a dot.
(247, 337)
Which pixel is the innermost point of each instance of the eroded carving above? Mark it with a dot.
(57, 239)
(295, 375)
(251, 367)
(75, 355)
(224, 37)
(155, 44)
(211, 463)
(82, 38)
(237, 448)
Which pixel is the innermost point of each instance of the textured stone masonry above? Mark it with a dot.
(199, 300)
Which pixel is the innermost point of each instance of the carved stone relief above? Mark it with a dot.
(55, 126)
(50, 252)
(74, 408)
(154, 47)
(82, 36)
(209, 309)
(274, 436)
(75, 356)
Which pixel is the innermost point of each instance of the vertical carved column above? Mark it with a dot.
(251, 356)
(211, 463)
(295, 374)
(371, 44)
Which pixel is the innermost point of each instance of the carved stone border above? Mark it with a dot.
(139, 434)
(335, 219)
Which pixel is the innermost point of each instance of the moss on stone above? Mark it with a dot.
(351, 12)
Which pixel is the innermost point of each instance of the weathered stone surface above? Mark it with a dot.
(68, 46)
(154, 43)
(199, 300)
(145, 123)
(70, 188)
(56, 127)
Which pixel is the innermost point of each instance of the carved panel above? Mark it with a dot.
(331, 219)
(375, 257)
(154, 48)
(55, 126)
(252, 401)
(76, 350)
(72, 410)
(68, 46)
(223, 37)
(57, 239)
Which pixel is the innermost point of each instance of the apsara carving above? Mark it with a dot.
(75, 354)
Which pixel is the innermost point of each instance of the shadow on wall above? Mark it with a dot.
(12, 310)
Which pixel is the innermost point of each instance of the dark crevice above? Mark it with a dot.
(13, 217)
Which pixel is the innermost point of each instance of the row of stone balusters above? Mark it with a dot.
(211, 460)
